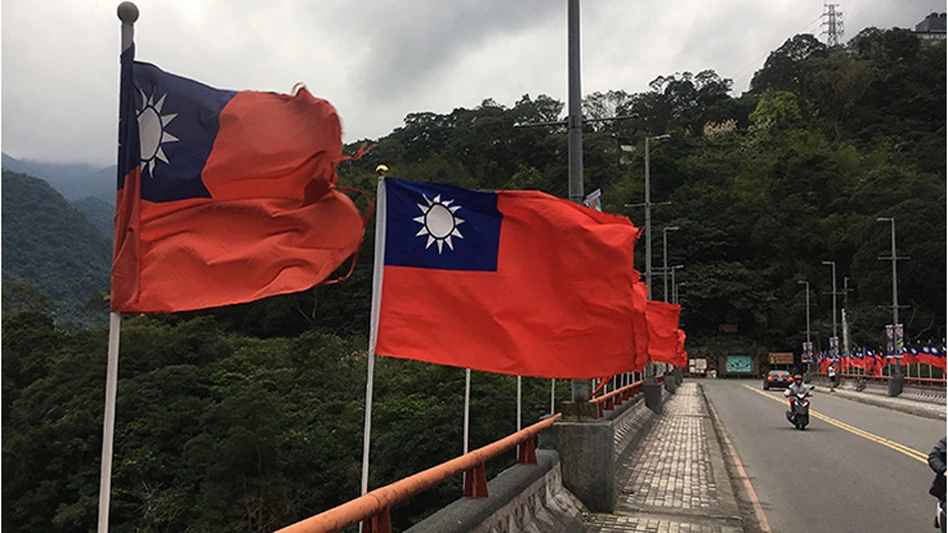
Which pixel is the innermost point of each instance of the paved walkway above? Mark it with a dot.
(675, 480)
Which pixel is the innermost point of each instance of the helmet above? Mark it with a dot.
(381, 168)
(797, 377)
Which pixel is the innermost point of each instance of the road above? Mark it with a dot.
(856, 468)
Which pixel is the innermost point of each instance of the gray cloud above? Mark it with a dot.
(376, 60)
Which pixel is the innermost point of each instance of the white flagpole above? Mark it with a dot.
(552, 396)
(374, 327)
(108, 423)
(128, 14)
(467, 406)
(519, 388)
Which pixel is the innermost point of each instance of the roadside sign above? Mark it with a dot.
(781, 358)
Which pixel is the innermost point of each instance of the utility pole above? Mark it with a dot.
(833, 264)
(807, 289)
(895, 385)
(648, 214)
(665, 231)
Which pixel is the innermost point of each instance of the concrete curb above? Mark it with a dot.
(931, 411)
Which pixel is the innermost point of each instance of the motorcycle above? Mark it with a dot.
(800, 417)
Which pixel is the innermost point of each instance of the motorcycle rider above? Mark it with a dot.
(797, 387)
(936, 461)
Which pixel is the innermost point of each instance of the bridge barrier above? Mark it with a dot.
(372, 508)
(524, 498)
(930, 390)
(547, 490)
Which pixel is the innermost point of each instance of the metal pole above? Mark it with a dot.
(895, 286)
(467, 406)
(128, 14)
(552, 396)
(895, 292)
(648, 223)
(575, 120)
(579, 388)
(519, 403)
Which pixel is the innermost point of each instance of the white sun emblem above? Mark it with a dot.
(151, 131)
(439, 222)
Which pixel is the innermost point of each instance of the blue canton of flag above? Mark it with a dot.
(178, 121)
(438, 226)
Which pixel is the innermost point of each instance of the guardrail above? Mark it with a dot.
(608, 402)
(372, 508)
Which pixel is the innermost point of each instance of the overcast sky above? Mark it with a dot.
(378, 60)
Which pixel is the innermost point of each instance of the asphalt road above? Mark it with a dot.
(865, 476)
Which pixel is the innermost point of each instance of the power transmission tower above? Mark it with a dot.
(832, 24)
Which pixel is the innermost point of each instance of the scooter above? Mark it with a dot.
(800, 417)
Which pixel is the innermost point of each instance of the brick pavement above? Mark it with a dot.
(674, 481)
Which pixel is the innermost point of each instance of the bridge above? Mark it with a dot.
(711, 455)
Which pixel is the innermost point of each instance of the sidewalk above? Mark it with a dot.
(914, 407)
(675, 480)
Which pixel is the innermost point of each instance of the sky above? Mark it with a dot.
(378, 60)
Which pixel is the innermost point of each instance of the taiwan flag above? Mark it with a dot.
(910, 356)
(223, 197)
(512, 282)
(663, 332)
(640, 323)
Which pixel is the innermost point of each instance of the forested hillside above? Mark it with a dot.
(248, 417)
(49, 244)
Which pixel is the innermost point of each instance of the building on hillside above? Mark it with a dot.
(932, 28)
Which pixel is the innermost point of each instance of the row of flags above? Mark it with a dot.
(872, 361)
(227, 197)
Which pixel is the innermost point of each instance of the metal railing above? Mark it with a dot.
(372, 508)
(609, 401)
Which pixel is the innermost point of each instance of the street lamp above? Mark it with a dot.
(894, 388)
(676, 291)
(807, 284)
(665, 231)
(673, 269)
(833, 264)
(648, 214)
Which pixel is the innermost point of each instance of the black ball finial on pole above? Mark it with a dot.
(128, 12)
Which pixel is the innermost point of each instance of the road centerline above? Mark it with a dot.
(901, 448)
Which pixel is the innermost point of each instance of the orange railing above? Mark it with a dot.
(373, 507)
(608, 402)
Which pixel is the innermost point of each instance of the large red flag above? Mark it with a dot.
(682, 355)
(513, 282)
(640, 323)
(663, 332)
(224, 197)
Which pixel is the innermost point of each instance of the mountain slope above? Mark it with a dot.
(72, 180)
(49, 244)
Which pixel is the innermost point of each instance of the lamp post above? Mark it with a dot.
(648, 214)
(665, 231)
(833, 265)
(673, 269)
(676, 291)
(807, 289)
(895, 385)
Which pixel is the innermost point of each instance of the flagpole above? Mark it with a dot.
(108, 423)
(128, 13)
(519, 389)
(552, 396)
(467, 406)
(378, 270)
